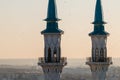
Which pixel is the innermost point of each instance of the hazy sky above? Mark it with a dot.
(22, 20)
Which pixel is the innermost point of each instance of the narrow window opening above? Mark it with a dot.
(55, 54)
(49, 55)
(96, 55)
(102, 55)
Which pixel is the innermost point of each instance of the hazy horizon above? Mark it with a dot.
(74, 63)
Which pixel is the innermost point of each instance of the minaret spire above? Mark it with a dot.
(52, 19)
(52, 11)
(98, 20)
(98, 13)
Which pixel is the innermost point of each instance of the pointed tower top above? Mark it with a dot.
(52, 20)
(52, 11)
(98, 13)
(98, 21)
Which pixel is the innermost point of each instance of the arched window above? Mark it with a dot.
(96, 54)
(96, 51)
(102, 54)
(101, 51)
(49, 55)
(55, 54)
(55, 51)
(93, 54)
(105, 51)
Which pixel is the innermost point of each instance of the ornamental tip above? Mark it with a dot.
(98, 13)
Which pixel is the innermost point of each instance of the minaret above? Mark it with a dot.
(52, 63)
(99, 62)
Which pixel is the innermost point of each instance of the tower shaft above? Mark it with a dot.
(52, 63)
(99, 62)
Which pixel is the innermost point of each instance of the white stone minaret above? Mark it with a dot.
(52, 63)
(99, 62)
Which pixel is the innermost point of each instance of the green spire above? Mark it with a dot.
(98, 20)
(98, 13)
(52, 20)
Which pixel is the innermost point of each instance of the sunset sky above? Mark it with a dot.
(22, 20)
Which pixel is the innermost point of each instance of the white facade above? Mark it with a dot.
(99, 50)
(52, 63)
(52, 46)
(99, 62)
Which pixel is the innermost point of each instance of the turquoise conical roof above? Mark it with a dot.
(52, 19)
(98, 20)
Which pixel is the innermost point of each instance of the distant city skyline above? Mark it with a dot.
(21, 24)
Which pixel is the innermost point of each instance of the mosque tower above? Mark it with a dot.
(99, 62)
(52, 63)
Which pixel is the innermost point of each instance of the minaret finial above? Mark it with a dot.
(98, 13)
(52, 19)
(98, 21)
(52, 11)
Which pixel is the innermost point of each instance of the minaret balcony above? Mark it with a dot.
(54, 60)
(96, 60)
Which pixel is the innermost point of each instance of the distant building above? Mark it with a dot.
(52, 63)
(99, 62)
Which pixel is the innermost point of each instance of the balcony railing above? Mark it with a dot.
(53, 60)
(101, 59)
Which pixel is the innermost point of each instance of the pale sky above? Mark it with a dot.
(22, 20)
